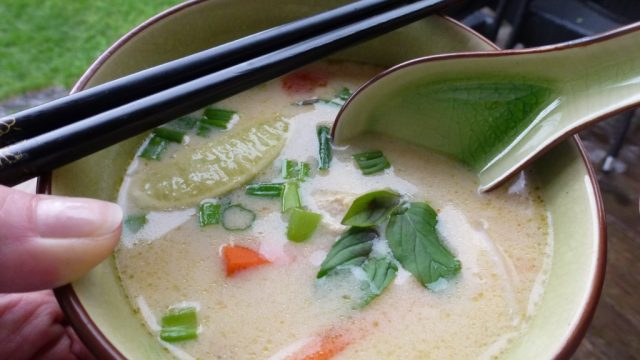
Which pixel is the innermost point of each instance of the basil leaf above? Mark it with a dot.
(380, 272)
(371, 208)
(352, 248)
(413, 239)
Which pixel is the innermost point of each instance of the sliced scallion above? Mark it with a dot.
(209, 213)
(236, 217)
(371, 162)
(324, 152)
(133, 223)
(290, 196)
(302, 224)
(297, 170)
(265, 189)
(154, 148)
(169, 134)
(217, 117)
(179, 324)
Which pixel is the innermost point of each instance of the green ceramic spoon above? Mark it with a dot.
(497, 111)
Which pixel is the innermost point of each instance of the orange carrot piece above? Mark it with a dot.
(328, 345)
(238, 258)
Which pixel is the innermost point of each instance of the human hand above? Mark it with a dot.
(45, 242)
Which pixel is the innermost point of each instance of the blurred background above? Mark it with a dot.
(46, 45)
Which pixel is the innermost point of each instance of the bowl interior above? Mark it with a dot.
(98, 301)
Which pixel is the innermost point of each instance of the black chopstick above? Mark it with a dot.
(40, 119)
(45, 152)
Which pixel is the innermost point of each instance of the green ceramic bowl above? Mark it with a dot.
(96, 304)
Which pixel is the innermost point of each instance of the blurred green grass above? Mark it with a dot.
(46, 43)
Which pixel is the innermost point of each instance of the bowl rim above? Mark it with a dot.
(100, 346)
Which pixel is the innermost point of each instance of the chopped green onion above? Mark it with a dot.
(236, 217)
(154, 148)
(203, 129)
(371, 162)
(179, 324)
(209, 214)
(134, 223)
(217, 117)
(302, 224)
(298, 170)
(265, 189)
(340, 98)
(290, 196)
(169, 134)
(344, 94)
(324, 152)
(184, 123)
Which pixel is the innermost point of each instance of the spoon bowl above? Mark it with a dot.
(498, 111)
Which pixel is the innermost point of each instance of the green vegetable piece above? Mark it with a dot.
(291, 196)
(179, 324)
(134, 223)
(209, 214)
(302, 224)
(415, 243)
(340, 98)
(184, 123)
(169, 134)
(297, 170)
(209, 169)
(371, 162)
(371, 208)
(344, 94)
(236, 217)
(324, 149)
(265, 189)
(217, 117)
(380, 273)
(154, 148)
(352, 248)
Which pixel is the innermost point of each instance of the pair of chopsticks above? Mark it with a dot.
(43, 138)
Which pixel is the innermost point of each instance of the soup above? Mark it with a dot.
(277, 242)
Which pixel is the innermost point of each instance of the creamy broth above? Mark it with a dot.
(273, 311)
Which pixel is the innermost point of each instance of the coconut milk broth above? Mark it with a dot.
(270, 312)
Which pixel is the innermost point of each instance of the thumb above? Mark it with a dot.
(48, 241)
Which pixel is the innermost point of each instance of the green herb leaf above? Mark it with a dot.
(371, 162)
(179, 324)
(217, 117)
(302, 224)
(352, 248)
(371, 208)
(169, 134)
(236, 217)
(133, 223)
(154, 148)
(265, 189)
(209, 214)
(414, 241)
(298, 170)
(290, 196)
(324, 149)
(380, 273)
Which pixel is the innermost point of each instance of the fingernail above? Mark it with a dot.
(61, 217)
